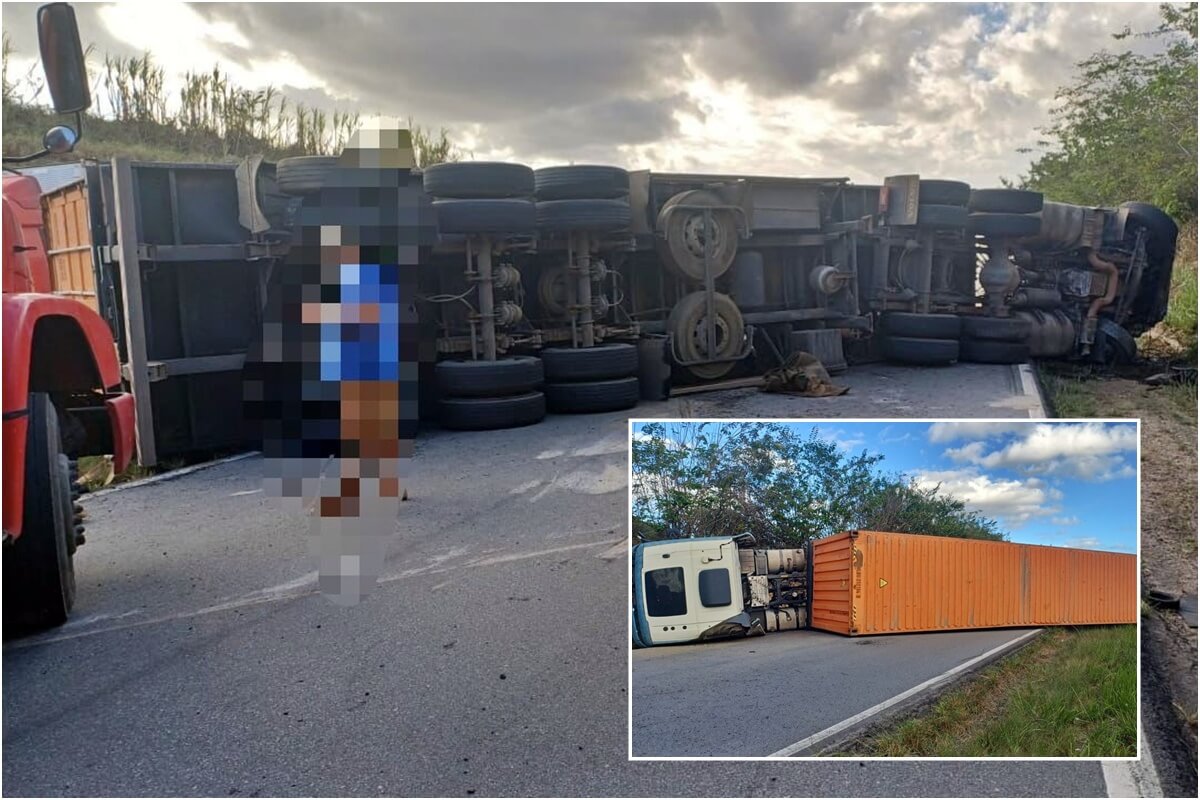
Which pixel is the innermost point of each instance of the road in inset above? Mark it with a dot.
(753, 697)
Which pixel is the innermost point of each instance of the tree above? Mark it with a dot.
(700, 479)
(1125, 129)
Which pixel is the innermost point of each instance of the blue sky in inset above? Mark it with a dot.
(1063, 484)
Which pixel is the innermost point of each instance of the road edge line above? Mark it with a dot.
(1028, 382)
(1133, 778)
(810, 741)
(166, 476)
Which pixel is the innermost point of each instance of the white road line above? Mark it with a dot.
(837, 728)
(1133, 778)
(166, 476)
(298, 587)
(1029, 386)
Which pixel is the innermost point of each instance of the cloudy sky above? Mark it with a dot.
(821, 89)
(1051, 483)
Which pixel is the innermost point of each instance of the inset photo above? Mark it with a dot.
(884, 589)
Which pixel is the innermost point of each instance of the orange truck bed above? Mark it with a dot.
(870, 582)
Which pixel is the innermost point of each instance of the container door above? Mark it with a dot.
(831, 603)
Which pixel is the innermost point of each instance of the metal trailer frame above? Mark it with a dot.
(181, 253)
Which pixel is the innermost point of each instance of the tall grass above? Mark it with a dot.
(1073, 692)
(210, 108)
(1182, 307)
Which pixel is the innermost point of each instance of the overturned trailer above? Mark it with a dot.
(710, 276)
(588, 288)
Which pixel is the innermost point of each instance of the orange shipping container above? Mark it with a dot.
(867, 582)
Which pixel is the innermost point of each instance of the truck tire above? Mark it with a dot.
(39, 574)
(1162, 229)
(922, 326)
(304, 175)
(602, 362)
(997, 329)
(654, 367)
(1006, 225)
(584, 215)
(681, 241)
(580, 182)
(684, 325)
(917, 350)
(989, 351)
(943, 193)
(1006, 201)
(505, 376)
(486, 216)
(492, 413)
(935, 216)
(478, 179)
(591, 397)
(1150, 303)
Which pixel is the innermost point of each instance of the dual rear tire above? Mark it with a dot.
(39, 573)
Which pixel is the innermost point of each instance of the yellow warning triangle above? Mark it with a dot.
(882, 583)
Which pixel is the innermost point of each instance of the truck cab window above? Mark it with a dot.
(664, 593)
(714, 588)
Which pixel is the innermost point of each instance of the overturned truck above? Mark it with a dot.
(588, 288)
(609, 276)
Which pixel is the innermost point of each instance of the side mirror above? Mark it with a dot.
(62, 58)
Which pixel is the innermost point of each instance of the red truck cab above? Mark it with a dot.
(62, 379)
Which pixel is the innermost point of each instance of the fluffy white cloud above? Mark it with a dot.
(1014, 502)
(953, 431)
(1092, 451)
(1065, 521)
(1086, 542)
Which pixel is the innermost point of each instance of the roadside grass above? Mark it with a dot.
(1068, 393)
(1182, 303)
(1072, 692)
(95, 472)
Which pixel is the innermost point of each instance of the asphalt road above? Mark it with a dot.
(754, 698)
(492, 659)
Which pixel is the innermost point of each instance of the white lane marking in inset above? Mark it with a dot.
(832, 730)
(248, 491)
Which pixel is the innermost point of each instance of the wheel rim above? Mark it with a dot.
(696, 235)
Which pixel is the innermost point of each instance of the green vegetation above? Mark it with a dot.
(1068, 391)
(1072, 692)
(701, 479)
(1125, 129)
(212, 119)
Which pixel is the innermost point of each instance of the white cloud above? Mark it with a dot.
(1091, 451)
(888, 435)
(847, 442)
(1085, 542)
(1065, 521)
(1013, 501)
(952, 431)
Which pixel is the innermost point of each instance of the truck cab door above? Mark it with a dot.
(718, 585)
(669, 594)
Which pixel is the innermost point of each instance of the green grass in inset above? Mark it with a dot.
(1073, 692)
